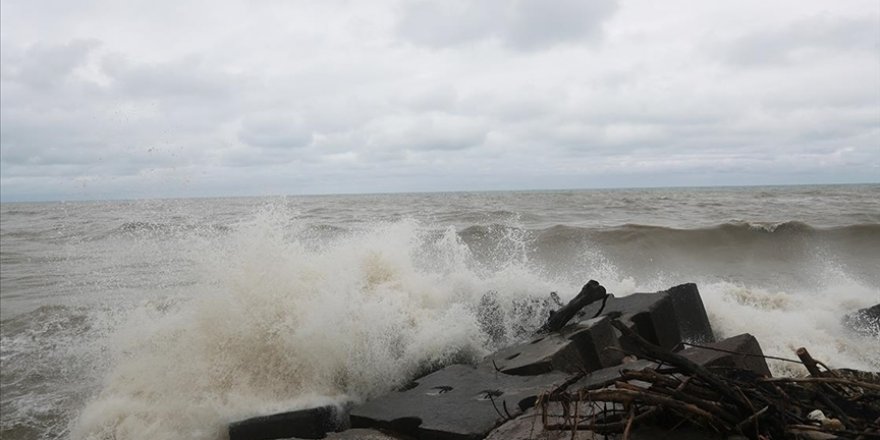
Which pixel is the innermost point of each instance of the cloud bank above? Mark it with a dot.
(188, 98)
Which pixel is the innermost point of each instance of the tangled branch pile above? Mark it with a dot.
(827, 405)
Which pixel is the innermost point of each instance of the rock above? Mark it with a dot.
(665, 318)
(651, 315)
(457, 402)
(864, 321)
(693, 322)
(572, 349)
(745, 344)
(607, 376)
(361, 434)
(680, 433)
(307, 423)
(748, 357)
(529, 427)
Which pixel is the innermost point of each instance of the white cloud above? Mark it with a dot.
(187, 98)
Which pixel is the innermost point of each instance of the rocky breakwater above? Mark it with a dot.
(643, 366)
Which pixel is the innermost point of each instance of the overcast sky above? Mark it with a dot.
(132, 99)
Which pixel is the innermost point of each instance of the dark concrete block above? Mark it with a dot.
(530, 427)
(693, 322)
(310, 423)
(741, 351)
(746, 355)
(864, 321)
(607, 376)
(457, 402)
(575, 348)
(651, 315)
(362, 434)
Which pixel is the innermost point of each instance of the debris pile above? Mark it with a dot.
(723, 401)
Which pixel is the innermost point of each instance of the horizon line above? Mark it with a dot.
(425, 192)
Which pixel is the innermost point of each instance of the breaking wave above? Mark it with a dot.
(286, 314)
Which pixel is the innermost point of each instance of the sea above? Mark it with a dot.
(168, 319)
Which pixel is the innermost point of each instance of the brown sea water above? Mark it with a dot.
(170, 318)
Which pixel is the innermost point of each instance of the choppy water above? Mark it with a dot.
(169, 318)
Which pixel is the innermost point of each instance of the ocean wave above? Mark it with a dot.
(160, 229)
(281, 311)
(730, 231)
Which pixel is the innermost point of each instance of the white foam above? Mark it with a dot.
(282, 325)
(783, 321)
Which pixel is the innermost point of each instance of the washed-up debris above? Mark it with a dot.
(680, 392)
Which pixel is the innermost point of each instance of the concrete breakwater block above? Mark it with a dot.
(310, 423)
(588, 346)
(693, 322)
(651, 315)
(741, 351)
(864, 321)
(457, 402)
(665, 318)
(530, 426)
(362, 434)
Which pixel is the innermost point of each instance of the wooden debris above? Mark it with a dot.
(590, 293)
(723, 401)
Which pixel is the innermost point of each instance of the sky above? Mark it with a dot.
(182, 98)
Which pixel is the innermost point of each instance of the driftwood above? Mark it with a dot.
(725, 401)
(590, 293)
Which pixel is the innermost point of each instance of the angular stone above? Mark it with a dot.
(741, 351)
(361, 434)
(457, 402)
(651, 315)
(577, 347)
(679, 433)
(607, 376)
(693, 322)
(746, 355)
(308, 423)
(530, 427)
(864, 321)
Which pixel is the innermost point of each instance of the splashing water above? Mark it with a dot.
(174, 326)
(287, 325)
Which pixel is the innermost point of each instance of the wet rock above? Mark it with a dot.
(651, 315)
(693, 322)
(586, 346)
(529, 426)
(457, 402)
(746, 355)
(864, 321)
(680, 433)
(741, 351)
(607, 376)
(665, 318)
(310, 423)
(362, 434)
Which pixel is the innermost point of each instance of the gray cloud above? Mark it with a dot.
(275, 131)
(291, 97)
(47, 65)
(521, 24)
(807, 38)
